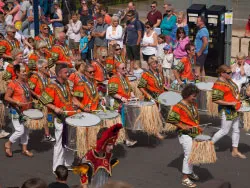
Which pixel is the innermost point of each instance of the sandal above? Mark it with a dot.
(187, 182)
(8, 151)
(193, 177)
(160, 137)
(27, 153)
(238, 155)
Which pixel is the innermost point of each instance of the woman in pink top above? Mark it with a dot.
(15, 12)
(182, 41)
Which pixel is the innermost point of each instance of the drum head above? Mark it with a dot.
(107, 114)
(105, 82)
(244, 109)
(132, 78)
(207, 86)
(83, 120)
(202, 137)
(169, 98)
(141, 103)
(33, 114)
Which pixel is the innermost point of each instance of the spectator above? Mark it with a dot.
(248, 57)
(93, 5)
(24, 10)
(83, 48)
(2, 24)
(84, 4)
(15, 12)
(61, 173)
(114, 32)
(1, 6)
(168, 22)
(247, 32)
(96, 11)
(73, 33)
(182, 41)
(201, 47)
(104, 12)
(91, 39)
(167, 64)
(133, 39)
(149, 42)
(67, 7)
(181, 22)
(240, 70)
(131, 6)
(100, 33)
(161, 44)
(57, 19)
(34, 183)
(8, 17)
(154, 16)
(85, 17)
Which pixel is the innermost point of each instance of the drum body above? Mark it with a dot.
(3, 84)
(2, 114)
(143, 116)
(203, 151)
(82, 132)
(34, 119)
(134, 85)
(202, 100)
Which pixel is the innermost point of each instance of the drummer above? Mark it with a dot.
(225, 94)
(37, 83)
(185, 116)
(113, 58)
(78, 75)
(86, 90)
(19, 97)
(183, 71)
(151, 82)
(57, 96)
(120, 89)
(17, 56)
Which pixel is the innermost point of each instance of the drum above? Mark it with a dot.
(109, 118)
(134, 83)
(2, 114)
(203, 151)
(245, 114)
(82, 131)
(143, 116)
(204, 98)
(167, 100)
(3, 84)
(33, 119)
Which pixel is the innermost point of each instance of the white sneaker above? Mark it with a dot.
(130, 143)
(4, 134)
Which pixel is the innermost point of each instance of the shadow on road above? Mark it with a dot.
(119, 151)
(36, 144)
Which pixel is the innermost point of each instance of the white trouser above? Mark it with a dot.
(61, 155)
(186, 142)
(21, 132)
(225, 127)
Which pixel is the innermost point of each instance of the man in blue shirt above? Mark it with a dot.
(201, 47)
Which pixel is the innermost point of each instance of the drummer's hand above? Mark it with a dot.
(58, 110)
(124, 100)
(86, 109)
(20, 104)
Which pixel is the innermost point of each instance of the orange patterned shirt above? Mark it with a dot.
(6, 46)
(100, 73)
(9, 73)
(61, 54)
(37, 82)
(50, 41)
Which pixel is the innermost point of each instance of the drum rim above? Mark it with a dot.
(197, 139)
(117, 114)
(136, 105)
(99, 120)
(197, 84)
(163, 103)
(131, 76)
(32, 109)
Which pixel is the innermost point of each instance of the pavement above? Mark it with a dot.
(151, 163)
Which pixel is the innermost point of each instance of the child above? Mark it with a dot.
(83, 48)
(137, 71)
(161, 44)
(61, 177)
(168, 59)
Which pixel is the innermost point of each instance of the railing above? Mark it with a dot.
(240, 43)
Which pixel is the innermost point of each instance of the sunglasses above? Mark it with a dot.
(129, 15)
(123, 68)
(192, 50)
(117, 49)
(104, 57)
(152, 6)
(181, 33)
(228, 72)
(168, 10)
(147, 27)
(91, 72)
(45, 28)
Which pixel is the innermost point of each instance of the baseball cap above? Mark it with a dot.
(167, 47)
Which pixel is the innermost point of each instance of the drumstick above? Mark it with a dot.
(133, 99)
(70, 111)
(96, 110)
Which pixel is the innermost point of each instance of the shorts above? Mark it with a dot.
(166, 72)
(84, 56)
(73, 45)
(200, 61)
(146, 57)
(133, 52)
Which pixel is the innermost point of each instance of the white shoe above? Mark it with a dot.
(130, 143)
(4, 134)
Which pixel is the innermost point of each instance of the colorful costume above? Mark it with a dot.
(87, 92)
(100, 71)
(6, 46)
(153, 83)
(34, 57)
(37, 82)
(119, 85)
(50, 41)
(227, 91)
(184, 115)
(59, 95)
(9, 73)
(185, 69)
(74, 79)
(98, 167)
(61, 54)
(111, 65)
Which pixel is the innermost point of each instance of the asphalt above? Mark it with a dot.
(151, 164)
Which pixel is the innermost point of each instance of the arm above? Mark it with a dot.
(242, 70)
(14, 10)
(204, 45)
(59, 14)
(145, 93)
(119, 97)
(177, 76)
(158, 22)
(118, 34)
(76, 27)
(221, 102)
(139, 32)
(155, 41)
